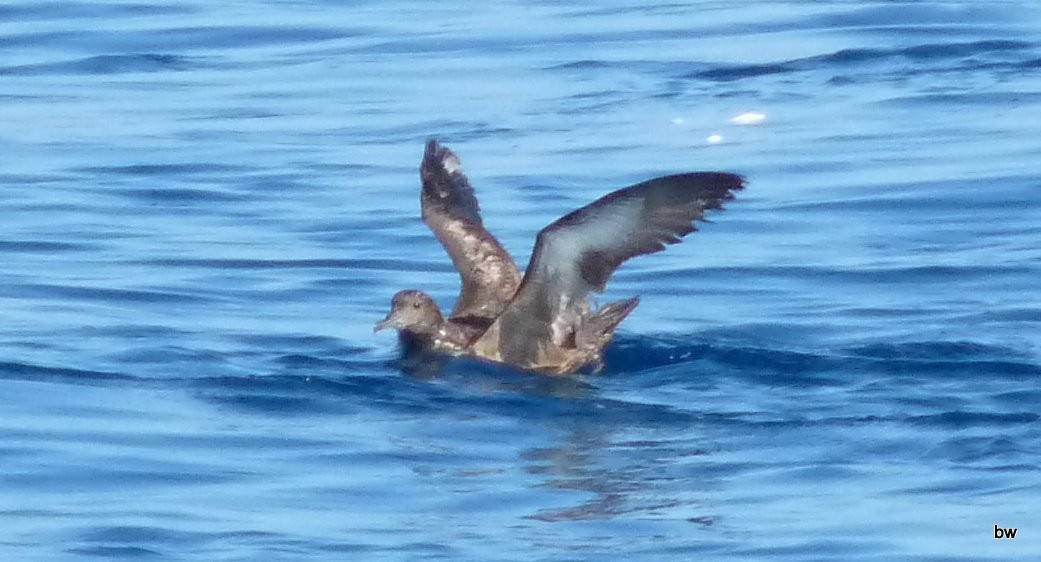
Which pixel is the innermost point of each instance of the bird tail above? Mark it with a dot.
(606, 320)
(599, 329)
(593, 335)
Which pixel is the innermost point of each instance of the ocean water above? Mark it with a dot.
(207, 205)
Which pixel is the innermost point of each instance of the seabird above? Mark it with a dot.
(543, 322)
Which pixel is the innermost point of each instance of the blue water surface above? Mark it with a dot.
(207, 205)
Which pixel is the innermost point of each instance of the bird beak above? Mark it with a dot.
(390, 321)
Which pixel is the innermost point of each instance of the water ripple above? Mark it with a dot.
(106, 64)
(846, 58)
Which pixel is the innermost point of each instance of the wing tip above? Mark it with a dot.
(440, 163)
(438, 156)
(728, 184)
(723, 188)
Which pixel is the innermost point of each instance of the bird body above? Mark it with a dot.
(543, 321)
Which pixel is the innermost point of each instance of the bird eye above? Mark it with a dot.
(415, 305)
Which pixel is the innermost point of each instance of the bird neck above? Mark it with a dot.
(423, 333)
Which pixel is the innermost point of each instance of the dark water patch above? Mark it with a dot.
(982, 368)
(470, 392)
(53, 11)
(181, 39)
(13, 180)
(42, 513)
(952, 360)
(900, 15)
(116, 552)
(109, 475)
(845, 58)
(768, 366)
(583, 65)
(345, 229)
(692, 358)
(357, 548)
(274, 404)
(464, 387)
(549, 192)
(730, 73)
(877, 275)
(175, 195)
(657, 8)
(345, 282)
(278, 184)
(992, 451)
(1011, 314)
(437, 44)
(936, 351)
(298, 342)
(237, 114)
(171, 357)
(104, 294)
(25, 371)
(915, 203)
(952, 199)
(967, 419)
(45, 247)
(988, 98)
(1011, 468)
(276, 264)
(590, 69)
(1028, 398)
(359, 169)
(446, 130)
(956, 50)
(106, 65)
(181, 169)
(888, 312)
(133, 331)
(416, 133)
(479, 131)
(140, 534)
(594, 102)
(328, 362)
(628, 353)
(821, 548)
(286, 395)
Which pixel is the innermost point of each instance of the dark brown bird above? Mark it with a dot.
(544, 322)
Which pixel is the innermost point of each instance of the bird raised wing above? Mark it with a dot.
(578, 253)
(488, 274)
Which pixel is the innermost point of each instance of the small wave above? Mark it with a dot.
(104, 294)
(933, 350)
(738, 72)
(311, 263)
(1031, 64)
(178, 195)
(963, 419)
(248, 35)
(44, 247)
(819, 367)
(116, 552)
(46, 11)
(107, 64)
(845, 58)
(177, 169)
(24, 371)
(585, 64)
(141, 42)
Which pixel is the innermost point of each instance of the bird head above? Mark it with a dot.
(412, 312)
